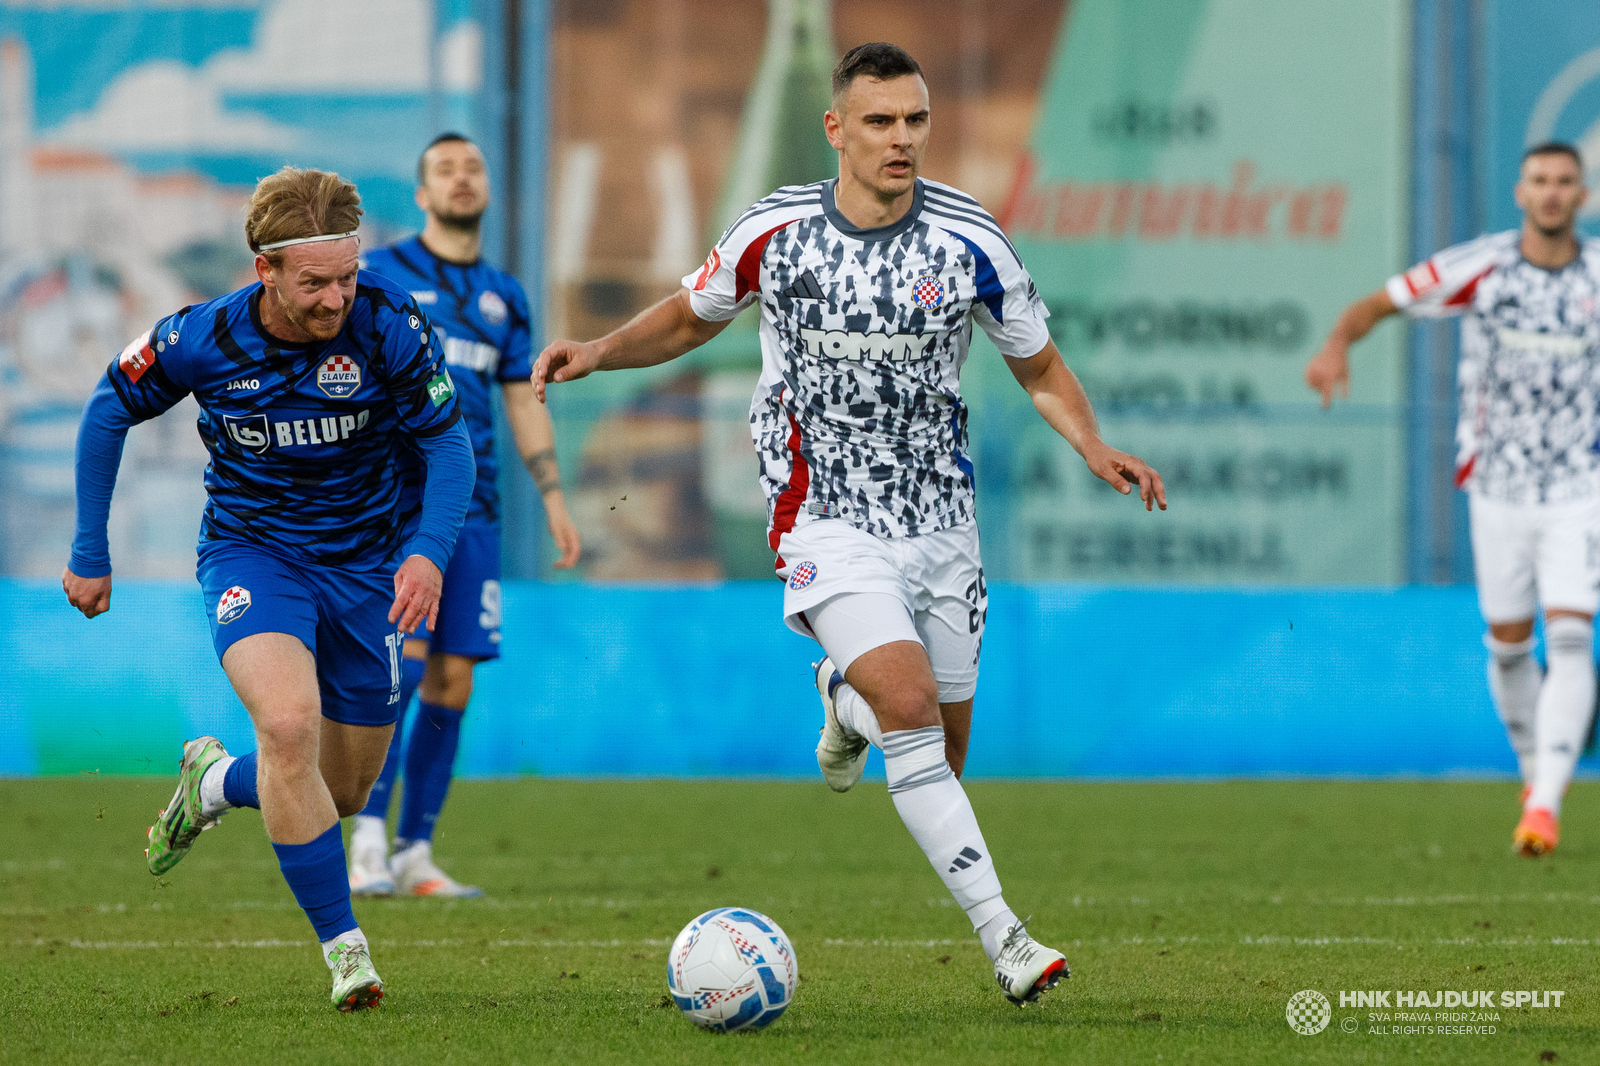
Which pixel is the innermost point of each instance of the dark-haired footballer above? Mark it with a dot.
(482, 319)
(869, 287)
(1527, 453)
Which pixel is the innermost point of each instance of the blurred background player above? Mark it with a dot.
(311, 384)
(868, 287)
(481, 317)
(1527, 437)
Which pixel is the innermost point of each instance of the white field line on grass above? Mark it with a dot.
(1265, 940)
(1456, 900)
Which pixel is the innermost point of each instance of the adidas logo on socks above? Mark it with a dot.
(967, 857)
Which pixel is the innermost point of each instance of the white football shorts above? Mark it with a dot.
(1532, 555)
(852, 592)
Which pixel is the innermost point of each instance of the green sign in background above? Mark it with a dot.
(1210, 184)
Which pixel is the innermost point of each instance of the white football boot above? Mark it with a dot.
(1025, 969)
(356, 985)
(369, 867)
(841, 754)
(416, 874)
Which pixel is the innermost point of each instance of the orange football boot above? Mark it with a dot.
(1537, 833)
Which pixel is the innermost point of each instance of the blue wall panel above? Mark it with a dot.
(1077, 681)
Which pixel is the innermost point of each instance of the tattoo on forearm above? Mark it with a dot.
(542, 466)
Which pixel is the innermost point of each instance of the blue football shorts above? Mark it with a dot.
(342, 616)
(469, 609)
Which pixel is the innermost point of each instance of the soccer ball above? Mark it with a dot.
(732, 968)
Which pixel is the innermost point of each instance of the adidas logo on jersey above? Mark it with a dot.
(805, 287)
(838, 344)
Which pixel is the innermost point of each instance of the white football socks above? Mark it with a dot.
(212, 800)
(854, 714)
(1566, 701)
(1514, 682)
(936, 810)
(353, 936)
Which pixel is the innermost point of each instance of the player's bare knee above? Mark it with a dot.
(447, 682)
(1511, 632)
(350, 799)
(288, 738)
(907, 706)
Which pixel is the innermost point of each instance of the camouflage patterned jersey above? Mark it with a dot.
(858, 414)
(1529, 377)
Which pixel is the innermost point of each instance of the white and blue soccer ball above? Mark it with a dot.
(732, 968)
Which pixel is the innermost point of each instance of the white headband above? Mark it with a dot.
(275, 245)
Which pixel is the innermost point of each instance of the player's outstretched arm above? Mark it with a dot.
(104, 426)
(656, 335)
(1329, 370)
(1058, 396)
(535, 435)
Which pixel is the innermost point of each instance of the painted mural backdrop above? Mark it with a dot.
(1198, 186)
(130, 136)
(1208, 184)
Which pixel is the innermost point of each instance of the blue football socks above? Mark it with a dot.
(239, 782)
(430, 760)
(383, 788)
(316, 875)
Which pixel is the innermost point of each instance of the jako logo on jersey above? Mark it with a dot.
(803, 575)
(339, 376)
(250, 432)
(234, 602)
(492, 308)
(136, 358)
(244, 383)
(928, 293)
(713, 264)
(319, 430)
(441, 388)
(837, 344)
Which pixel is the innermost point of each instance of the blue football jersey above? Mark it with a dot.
(482, 317)
(307, 441)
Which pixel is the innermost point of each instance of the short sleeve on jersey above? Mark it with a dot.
(729, 280)
(714, 290)
(1444, 284)
(516, 360)
(149, 375)
(1006, 303)
(418, 382)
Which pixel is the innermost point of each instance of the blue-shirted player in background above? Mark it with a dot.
(481, 315)
(315, 387)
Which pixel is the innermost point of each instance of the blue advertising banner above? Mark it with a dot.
(705, 680)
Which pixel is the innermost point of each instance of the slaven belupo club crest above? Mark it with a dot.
(339, 376)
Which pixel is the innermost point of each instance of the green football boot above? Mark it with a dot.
(177, 826)
(356, 984)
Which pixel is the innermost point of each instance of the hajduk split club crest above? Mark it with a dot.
(339, 376)
(928, 293)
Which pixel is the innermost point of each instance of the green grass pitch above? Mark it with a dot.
(1190, 914)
